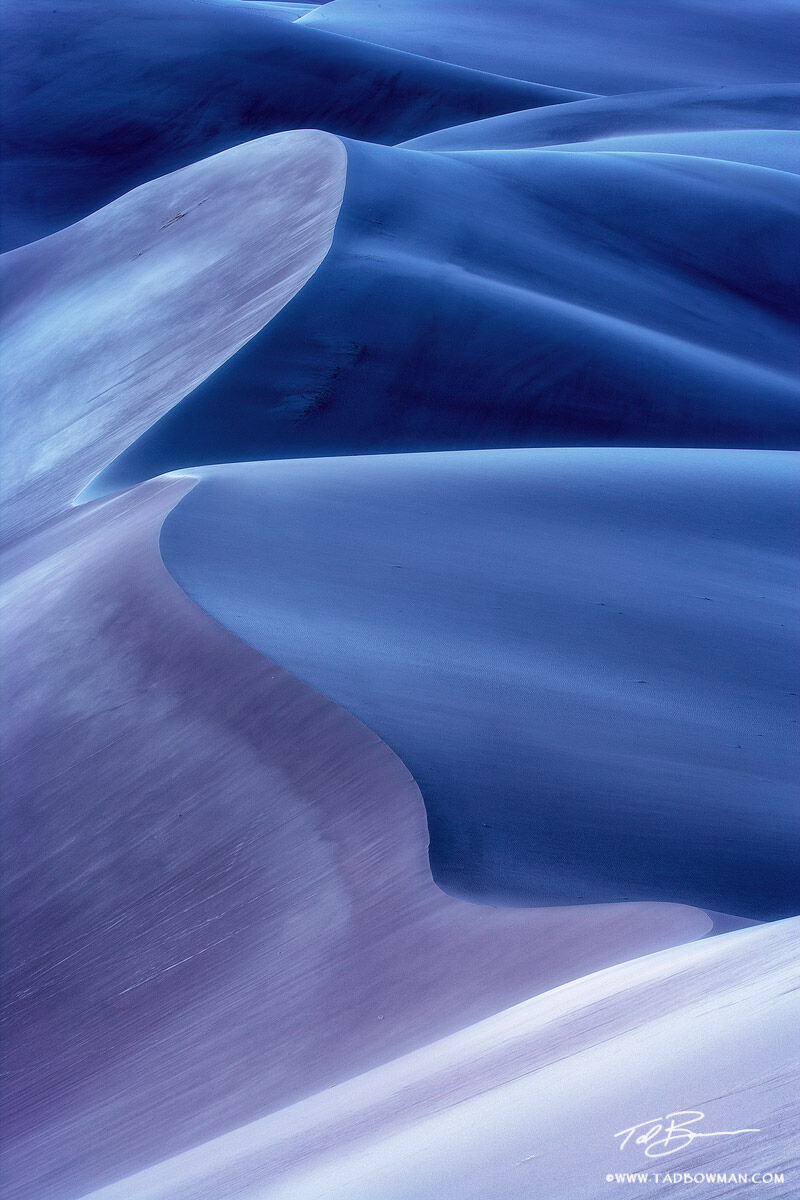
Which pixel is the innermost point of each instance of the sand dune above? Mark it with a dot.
(585, 658)
(256, 305)
(768, 106)
(490, 299)
(229, 973)
(106, 94)
(216, 896)
(531, 1102)
(109, 323)
(618, 46)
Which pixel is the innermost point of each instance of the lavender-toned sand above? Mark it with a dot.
(217, 895)
(542, 1099)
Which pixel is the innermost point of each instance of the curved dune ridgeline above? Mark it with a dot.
(109, 323)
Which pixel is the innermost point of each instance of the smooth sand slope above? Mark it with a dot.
(758, 106)
(110, 323)
(586, 658)
(102, 95)
(532, 1102)
(616, 46)
(217, 897)
(523, 297)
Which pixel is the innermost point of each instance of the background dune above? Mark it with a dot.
(765, 106)
(488, 299)
(620, 46)
(103, 95)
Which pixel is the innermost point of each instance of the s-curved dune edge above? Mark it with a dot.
(217, 898)
(586, 658)
(536, 1102)
(112, 321)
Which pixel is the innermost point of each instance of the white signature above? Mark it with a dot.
(664, 1135)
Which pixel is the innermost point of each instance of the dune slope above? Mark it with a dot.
(102, 96)
(617, 46)
(216, 892)
(535, 1101)
(585, 658)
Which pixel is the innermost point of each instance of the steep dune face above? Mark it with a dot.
(102, 96)
(585, 658)
(621, 46)
(491, 299)
(536, 1101)
(109, 323)
(216, 890)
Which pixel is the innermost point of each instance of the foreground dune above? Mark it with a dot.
(216, 889)
(584, 657)
(217, 897)
(535, 1102)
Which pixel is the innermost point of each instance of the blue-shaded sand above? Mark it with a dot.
(540, 297)
(587, 658)
(595, 45)
(756, 106)
(102, 95)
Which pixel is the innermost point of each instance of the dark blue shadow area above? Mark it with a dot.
(100, 97)
(585, 657)
(519, 298)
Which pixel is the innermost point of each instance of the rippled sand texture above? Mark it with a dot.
(399, 597)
